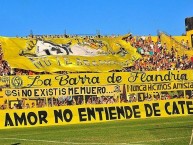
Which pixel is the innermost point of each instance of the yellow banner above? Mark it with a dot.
(151, 78)
(161, 86)
(124, 86)
(94, 113)
(109, 90)
(68, 54)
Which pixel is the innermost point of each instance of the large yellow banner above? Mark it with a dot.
(94, 97)
(68, 54)
(123, 86)
(91, 114)
(151, 78)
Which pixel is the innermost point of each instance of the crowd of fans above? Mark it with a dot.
(165, 95)
(4, 67)
(26, 103)
(155, 57)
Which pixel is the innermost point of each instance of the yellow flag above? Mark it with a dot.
(68, 54)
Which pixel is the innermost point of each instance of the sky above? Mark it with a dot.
(139, 17)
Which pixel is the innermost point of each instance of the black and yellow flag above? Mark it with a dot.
(68, 54)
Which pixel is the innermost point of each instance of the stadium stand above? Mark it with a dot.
(157, 53)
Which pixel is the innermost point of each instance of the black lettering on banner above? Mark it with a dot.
(175, 109)
(63, 91)
(79, 62)
(19, 120)
(114, 79)
(83, 90)
(47, 62)
(136, 111)
(70, 91)
(36, 93)
(42, 92)
(47, 82)
(24, 118)
(167, 104)
(112, 113)
(42, 117)
(182, 104)
(152, 109)
(101, 113)
(51, 92)
(58, 114)
(76, 91)
(106, 113)
(189, 107)
(101, 90)
(128, 112)
(165, 87)
(66, 115)
(36, 62)
(32, 118)
(26, 93)
(144, 77)
(92, 90)
(73, 81)
(138, 88)
(99, 110)
(67, 61)
(91, 113)
(148, 110)
(120, 112)
(167, 77)
(133, 77)
(14, 93)
(58, 61)
(156, 110)
(36, 81)
(8, 120)
(66, 79)
(81, 112)
(73, 91)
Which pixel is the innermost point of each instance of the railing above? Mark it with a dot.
(173, 39)
(172, 42)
